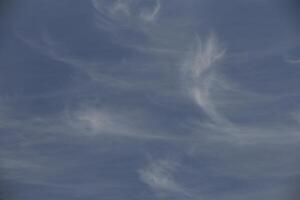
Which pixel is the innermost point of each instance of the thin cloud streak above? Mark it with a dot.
(199, 75)
(151, 14)
(98, 122)
(126, 13)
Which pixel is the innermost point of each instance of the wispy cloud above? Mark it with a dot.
(199, 75)
(151, 13)
(159, 175)
(93, 121)
(292, 61)
(132, 14)
(215, 137)
(154, 33)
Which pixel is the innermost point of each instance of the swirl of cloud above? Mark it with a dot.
(127, 13)
(199, 75)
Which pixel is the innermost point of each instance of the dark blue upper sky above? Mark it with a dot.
(149, 99)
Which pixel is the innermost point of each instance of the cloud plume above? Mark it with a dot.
(199, 75)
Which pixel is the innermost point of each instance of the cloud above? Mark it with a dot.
(231, 150)
(93, 121)
(222, 99)
(292, 61)
(133, 14)
(159, 176)
(144, 28)
(130, 9)
(199, 75)
(150, 14)
(58, 51)
(96, 122)
(112, 8)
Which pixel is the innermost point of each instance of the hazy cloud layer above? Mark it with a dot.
(149, 99)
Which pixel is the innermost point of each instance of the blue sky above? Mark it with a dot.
(149, 99)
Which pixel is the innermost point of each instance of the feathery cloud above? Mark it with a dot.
(159, 176)
(199, 75)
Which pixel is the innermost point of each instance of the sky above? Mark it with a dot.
(149, 99)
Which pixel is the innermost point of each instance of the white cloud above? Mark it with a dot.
(199, 75)
(114, 14)
(200, 78)
(114, 8)
(93, 121)
(159, 176)
(292, 61)
(120, 7)
(150, 14)
(158, 34)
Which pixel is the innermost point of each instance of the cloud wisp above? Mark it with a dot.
(159, 176)
(104, 122)
(199, 75)
(150, 14)
(112, 15)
